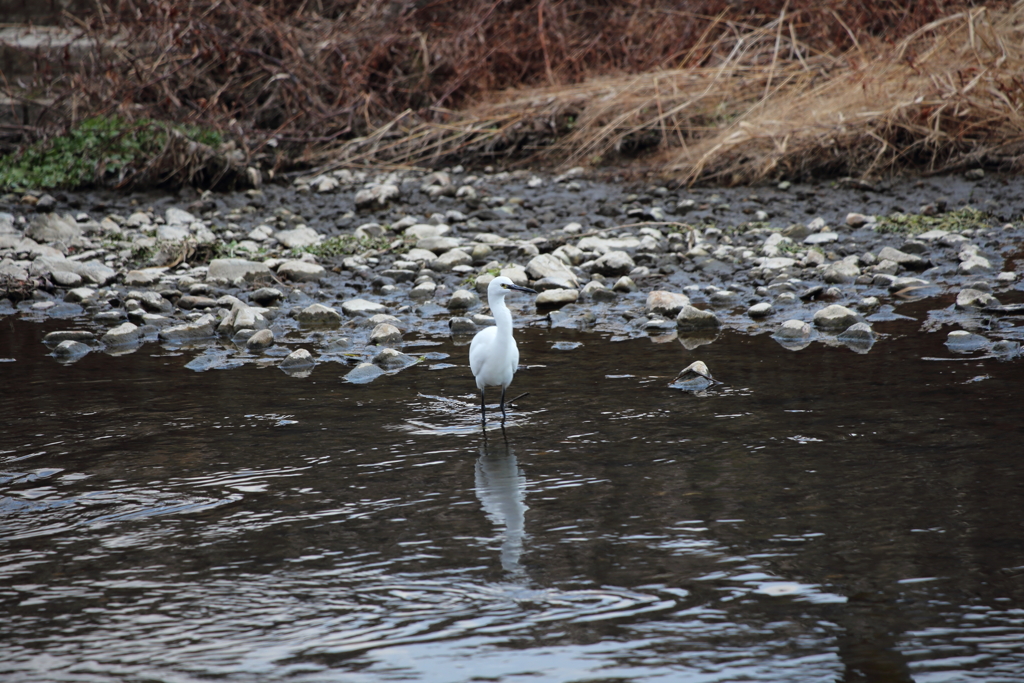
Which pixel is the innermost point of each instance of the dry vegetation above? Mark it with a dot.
(723, 91)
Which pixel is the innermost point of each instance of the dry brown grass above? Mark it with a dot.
(946, 96)
(723, 90)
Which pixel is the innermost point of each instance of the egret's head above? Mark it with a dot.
(501, 285)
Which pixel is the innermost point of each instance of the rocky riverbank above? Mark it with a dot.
(368, 270)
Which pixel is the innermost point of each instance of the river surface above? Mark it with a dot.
(822, 515)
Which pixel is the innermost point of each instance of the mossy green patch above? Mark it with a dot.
(94, 151)
(953, 221)
(345, 245)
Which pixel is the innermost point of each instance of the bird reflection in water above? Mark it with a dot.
(501, 488)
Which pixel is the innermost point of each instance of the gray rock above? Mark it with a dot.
(204, 327)
(361, 308)
(189, 302)
(299, 358)
(364, 373)
(821, 238)
(66, 278)
(550, 266)
(835, 318)
(437, 245)
(147, 277)
(79, 294)
(1006, 348)
(318, 314)
(176, 216)
(230, 269)
(301, 271)
(376, 196)
(625, 285)
(794, 329)
(614, 263)
(265, 296)
(911, 261)
(384, 334)
(463, 300)
(966, 342)
(450, 259)
(390, 359)
(597, 292)
(461, 327)
(907, 283)
(664, 303)
(722, 298)
(975, 264)
(122, 335)
(858, 333)
(70, 350)
(59, 336)
(760, 310)
(840, 272)
(857, 220)
(517, 274)
(299, 237)
(690, 318)
(49, 227)
(261, 340)
(973, 298)
(557, 297)
(90, 271)
(13, 270)
(423, 291)
(172, 233)
(694, 377)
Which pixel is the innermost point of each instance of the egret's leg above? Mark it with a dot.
(503, 404)
(483, 406)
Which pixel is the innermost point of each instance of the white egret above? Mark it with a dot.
(493, 354)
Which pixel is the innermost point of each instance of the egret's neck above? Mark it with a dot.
(502, 316)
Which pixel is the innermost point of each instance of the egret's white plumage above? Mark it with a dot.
(493, 354)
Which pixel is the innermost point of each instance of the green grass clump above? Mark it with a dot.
(94, 150)
(915, 224)
(345, 245)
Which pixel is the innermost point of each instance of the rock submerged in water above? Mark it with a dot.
(70, 350)
(962, 341)
(384, 334)
(691, 319)
(665, 303)
(364, 373)
(124, 334)
(297, 359)
(694, 377)
(202, 328)
(318, 314)
(260, 340)
(835, 318)
(390, 359)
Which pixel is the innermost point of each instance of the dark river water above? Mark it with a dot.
(820, 516)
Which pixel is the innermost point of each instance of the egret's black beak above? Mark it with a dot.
(521, 289)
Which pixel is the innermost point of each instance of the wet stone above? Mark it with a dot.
(973, 298)
(461, 327)
(858, 332)
(624, 285)
(835, 318)
(70, 350)
(463, 300)
(390, 359)
(318, 314)
(660, 302)
(68, 335)
(364, 373)
(962, 341)
(614, 263)
(265, 296)
(122, 335)
(189, 302)
(301, 271)
(262, 339)
(690, 318)
(299, 358)
(557, 297)
(760, 310)
(794, 329)
(202, 328)
(231, 269)
(360, 307)
(384, 334)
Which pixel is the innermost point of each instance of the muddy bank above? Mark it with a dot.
(365, 270)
